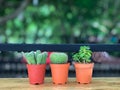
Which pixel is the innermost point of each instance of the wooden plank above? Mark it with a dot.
(100, 83)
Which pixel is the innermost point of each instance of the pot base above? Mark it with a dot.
(59, 83)
(37, 83)
(83, 82)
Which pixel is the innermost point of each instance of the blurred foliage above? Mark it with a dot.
(61, 21)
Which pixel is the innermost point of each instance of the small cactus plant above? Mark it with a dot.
(37, 57)
(58, 58)
(83, 55)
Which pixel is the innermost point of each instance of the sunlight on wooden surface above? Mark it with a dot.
(96, 84)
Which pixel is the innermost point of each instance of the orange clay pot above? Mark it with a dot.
(84, 72)
(59, 73)
(36, 73)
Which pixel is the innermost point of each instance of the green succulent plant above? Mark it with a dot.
(83, 55)
(37, 57)
(58, 58)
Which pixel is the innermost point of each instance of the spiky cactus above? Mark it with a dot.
(37, 57)
(58, 58)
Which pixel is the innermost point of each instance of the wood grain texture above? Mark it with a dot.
(96, 84)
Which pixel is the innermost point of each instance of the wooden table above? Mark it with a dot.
(96, 84)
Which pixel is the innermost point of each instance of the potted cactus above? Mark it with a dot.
(83, 65)
(36, 65)
(59, 67)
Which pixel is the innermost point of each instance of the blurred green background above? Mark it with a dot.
(56, 22)
(59, 21)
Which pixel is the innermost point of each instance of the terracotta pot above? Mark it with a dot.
(84, 72)
(36, 73)
(59, 73)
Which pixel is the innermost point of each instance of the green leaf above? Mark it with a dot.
(83, 55)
